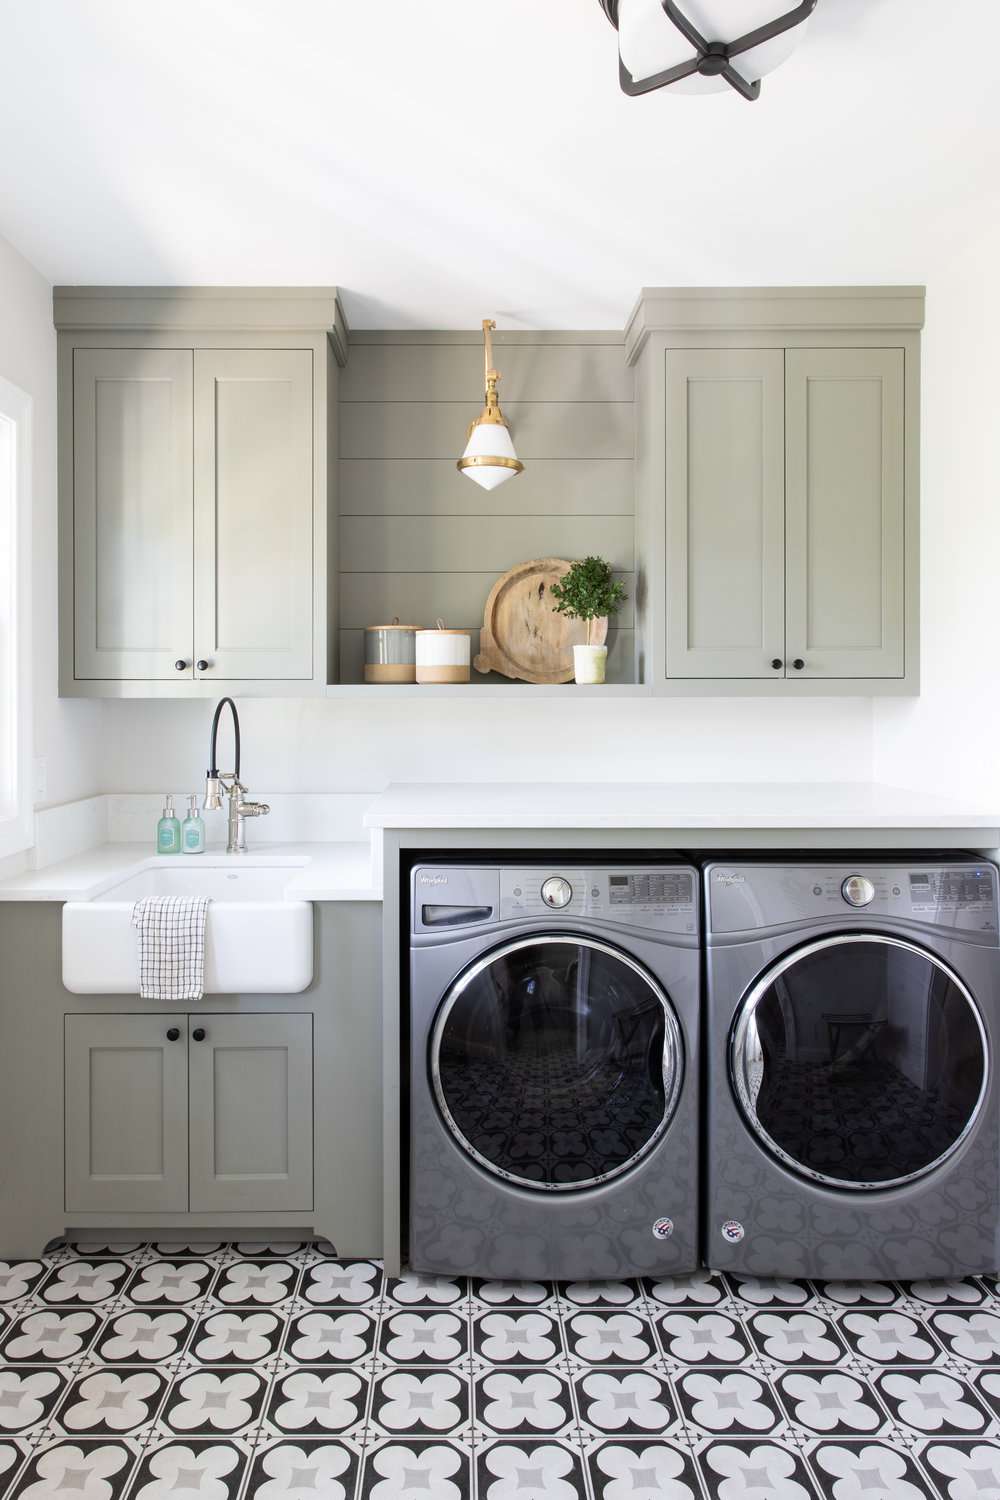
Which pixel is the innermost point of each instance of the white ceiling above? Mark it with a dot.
(445, 160)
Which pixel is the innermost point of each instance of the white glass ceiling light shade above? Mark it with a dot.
(489, 456)
(703, 46)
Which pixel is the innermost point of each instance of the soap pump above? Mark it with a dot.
(168, 829)
(193, 831)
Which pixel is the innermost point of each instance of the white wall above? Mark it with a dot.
(949, 738)
(67, 733)
(348, 746)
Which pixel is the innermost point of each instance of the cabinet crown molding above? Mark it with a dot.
(774, 309)
(201, 309)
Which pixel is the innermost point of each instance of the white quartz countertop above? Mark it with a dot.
(318, 872)
(709, 805)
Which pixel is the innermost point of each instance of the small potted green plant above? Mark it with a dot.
(589, 592)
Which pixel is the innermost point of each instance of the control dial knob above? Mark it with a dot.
(857, 890)
(557, 892)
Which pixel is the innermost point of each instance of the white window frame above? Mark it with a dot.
(16, 736)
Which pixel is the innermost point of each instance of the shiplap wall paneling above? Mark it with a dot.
(419, 540)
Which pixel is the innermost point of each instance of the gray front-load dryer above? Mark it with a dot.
(852, 1027)
(554, 1025)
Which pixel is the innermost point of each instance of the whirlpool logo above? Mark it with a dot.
(728, 878)
(433, 879)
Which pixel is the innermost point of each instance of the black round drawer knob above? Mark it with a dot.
(798, 664)
(199, 1033)
(203, 665)
(174, 1034)
(777, 663)
(180, 666)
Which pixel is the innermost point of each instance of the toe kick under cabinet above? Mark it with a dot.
(179, 1113)
(777, 488)
(195, 484)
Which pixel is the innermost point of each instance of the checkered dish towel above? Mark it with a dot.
(171, 946)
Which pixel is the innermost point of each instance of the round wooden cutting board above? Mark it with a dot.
(522, 636)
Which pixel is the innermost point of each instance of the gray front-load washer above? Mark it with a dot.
(553, 1026)
(852, 1111)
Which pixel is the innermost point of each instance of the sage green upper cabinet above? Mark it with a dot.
(777, 489)
(725, 506)
(197, 455)
(844, 512)
(253, 495)
(133, 530)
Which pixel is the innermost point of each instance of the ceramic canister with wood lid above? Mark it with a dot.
(443, 655)
(391, 653)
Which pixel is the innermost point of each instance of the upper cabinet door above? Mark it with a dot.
(253, 449)
(725, 608)
(845, 506)
(132, 513)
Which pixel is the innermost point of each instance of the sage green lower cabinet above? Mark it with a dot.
(251, 1113)
(198, 1113)
(844, 512)
(725, 521)
(126, 1114)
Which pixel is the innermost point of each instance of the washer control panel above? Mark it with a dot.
(659, 896)
(747, 898)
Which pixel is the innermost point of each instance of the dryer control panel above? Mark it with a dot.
(742, 898)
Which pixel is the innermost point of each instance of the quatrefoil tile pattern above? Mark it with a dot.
(281, 1372)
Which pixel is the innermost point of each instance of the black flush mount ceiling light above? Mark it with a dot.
(660, 43)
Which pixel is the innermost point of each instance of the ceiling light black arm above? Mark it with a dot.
(634, 87)
(742, 85)
(773, 28)
(686, 28)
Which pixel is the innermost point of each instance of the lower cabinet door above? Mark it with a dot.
(126, 1114)
(251, 1113)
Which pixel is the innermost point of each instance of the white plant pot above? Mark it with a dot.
(590, 663)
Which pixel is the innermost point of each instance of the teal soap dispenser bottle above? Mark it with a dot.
(193, 830)
(168, 830)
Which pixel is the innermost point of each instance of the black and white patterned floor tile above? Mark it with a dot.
(280, 1372)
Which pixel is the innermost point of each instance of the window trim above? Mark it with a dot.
(17, 826)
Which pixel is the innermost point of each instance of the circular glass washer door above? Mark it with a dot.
(556, 1062)
(859, 1060)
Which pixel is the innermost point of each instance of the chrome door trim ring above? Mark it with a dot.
(673, 1045)
(738, 1048)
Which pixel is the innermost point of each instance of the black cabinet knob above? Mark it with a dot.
(173, 1035)
(203, 665)
(777, 663)
(199, 1033)
(798, 664)
(180, 666)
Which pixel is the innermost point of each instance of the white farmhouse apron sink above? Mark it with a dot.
(256, 941)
